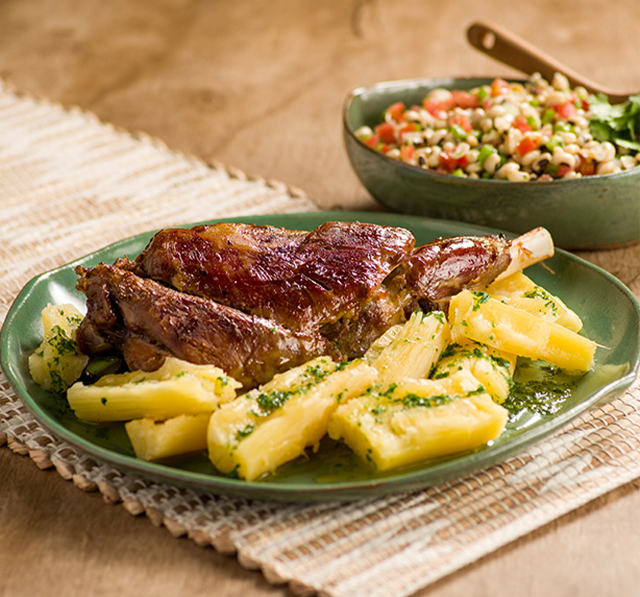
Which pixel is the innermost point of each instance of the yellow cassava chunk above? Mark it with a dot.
(410, 349)
(57, 362)
(176, 388)
(492, 368)
(520, 291)
(273, 424)
(487, 320)
(153, 440)
(417, 420)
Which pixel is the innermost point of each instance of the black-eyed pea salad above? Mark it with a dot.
(532, 131)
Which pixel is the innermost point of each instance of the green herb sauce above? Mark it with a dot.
(539, 388)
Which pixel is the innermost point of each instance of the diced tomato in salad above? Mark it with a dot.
(437, 109)
(386, 132)
(566, 110)
(563, 169)
(464, 100)
(447, 162)
(522, 124)
(407, 152)
(410, 127)
(372, 141)
(376, 143)
(499, 87)
(462, 120)
(396, 111)
(526, 145)
(458, 99)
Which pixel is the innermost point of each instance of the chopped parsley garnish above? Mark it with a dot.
(439, 315)
(450, 350)
(61, 343)
(272, 400)
(58, 385)
(242, 433)
(415, 400)
(540, 293)
(442, 374)
(479, 298)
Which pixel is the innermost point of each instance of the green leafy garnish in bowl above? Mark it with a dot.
(619, 124)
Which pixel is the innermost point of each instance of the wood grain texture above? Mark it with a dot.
(259, 86)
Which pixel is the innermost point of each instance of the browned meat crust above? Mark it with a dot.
(301, 280)
(255, 300)
(147, 321)
(444, 267)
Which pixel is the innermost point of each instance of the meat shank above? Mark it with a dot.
(256, 300)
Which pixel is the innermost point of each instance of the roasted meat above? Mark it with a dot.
(440, 269)
(256, 300)
(300, 280)
(146, 321)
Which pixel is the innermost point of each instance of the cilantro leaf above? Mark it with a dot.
(618, 124)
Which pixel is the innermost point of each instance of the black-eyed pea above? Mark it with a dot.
(628, 161)
(491, 163)
(609, 150)
(562, 158)
(506, 170)
(528, 159)
(608, 167)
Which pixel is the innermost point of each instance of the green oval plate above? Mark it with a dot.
(610, 313)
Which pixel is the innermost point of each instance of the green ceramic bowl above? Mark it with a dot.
(584, 213)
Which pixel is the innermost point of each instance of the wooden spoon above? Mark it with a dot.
(514, 51)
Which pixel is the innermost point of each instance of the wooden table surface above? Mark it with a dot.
(259, 86)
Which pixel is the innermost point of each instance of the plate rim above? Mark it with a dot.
(306, 492)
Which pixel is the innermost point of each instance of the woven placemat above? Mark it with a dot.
(70, 184)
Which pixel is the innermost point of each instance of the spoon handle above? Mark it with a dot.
(517, 53)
